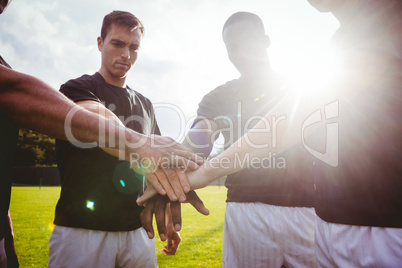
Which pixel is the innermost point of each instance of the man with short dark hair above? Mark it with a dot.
(28, 102)
(97, 219)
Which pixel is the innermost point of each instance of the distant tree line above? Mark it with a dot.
(35, 149)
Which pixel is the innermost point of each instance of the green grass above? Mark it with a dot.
(32, 210)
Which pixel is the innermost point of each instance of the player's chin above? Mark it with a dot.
(121, 72)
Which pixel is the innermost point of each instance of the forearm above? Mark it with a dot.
(33, 104)
(279, 130)
(292, 120)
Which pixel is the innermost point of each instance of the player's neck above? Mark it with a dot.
(112, 80)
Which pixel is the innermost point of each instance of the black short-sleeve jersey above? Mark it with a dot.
(99, 191)
(283, 180)
(365, 188)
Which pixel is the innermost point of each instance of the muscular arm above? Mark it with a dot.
(284, 126)
(99, 109)
(280, 129)
(33, 104)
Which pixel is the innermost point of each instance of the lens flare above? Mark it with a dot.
(143, 167)
(90, 205)
(258, 98)
(126, 180)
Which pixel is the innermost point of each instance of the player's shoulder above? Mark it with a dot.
(224, 89)
(220, 94)
(85, 81)
(229, 86)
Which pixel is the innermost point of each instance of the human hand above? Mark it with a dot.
(172, 182)
(145, 198)
(147, 153)
(197, 179)
(157, 205)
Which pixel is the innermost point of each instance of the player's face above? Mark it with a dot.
(245, 48)
(3, 5)
(119, 50)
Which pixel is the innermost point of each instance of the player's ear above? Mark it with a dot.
(100, 43)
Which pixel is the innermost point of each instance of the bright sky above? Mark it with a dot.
(182, 56)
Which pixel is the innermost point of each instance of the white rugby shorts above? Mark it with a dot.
(74, 247)
(340, 245)
(262, 235)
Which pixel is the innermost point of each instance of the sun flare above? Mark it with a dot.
(312, 71)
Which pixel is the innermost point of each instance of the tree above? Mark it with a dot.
(35, 149)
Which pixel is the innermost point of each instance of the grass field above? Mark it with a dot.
(32, 210)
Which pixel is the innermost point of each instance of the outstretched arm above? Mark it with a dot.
(290, 122)
(200, 139)
(281, 128)
(277, 131)
(33, 104)
(175, 183)
(293, 119)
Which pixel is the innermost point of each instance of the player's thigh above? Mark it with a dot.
(137, 250)
(358, 246)
(251, 236)
(74, 247)
(387, 250)
(298, 236)
(322, 246)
